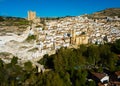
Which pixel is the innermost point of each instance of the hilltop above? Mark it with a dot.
(110, 12)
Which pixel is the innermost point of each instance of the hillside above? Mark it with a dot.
(12, 21)
(13, 24)
(111, 12)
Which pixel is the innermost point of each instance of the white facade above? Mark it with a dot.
(106, 78)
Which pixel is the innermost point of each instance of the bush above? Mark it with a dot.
(31, 37)
(1, 19)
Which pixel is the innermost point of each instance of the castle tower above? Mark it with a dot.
(31, 15)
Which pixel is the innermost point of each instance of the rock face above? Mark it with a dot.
(12, 36)
(17, 45)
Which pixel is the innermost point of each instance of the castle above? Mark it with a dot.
(31, 15)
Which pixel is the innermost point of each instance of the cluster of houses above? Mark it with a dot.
(68, 31)
(104, 79)
(76, 30)
(64, 32)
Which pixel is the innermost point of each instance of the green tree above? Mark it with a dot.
(91, 83)
(79, 77)
(1, 19)
(93, 54)
(14, 60)
(28, 66)
(1, 63)
(116, 46)
(51, 79)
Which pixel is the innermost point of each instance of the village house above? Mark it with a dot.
(100, 78)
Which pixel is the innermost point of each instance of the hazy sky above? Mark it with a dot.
(54, 8)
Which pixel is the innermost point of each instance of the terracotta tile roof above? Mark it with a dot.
(99, 75)
(100, 84)
(116, 83)
(117, 73)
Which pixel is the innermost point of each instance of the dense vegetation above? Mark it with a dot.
(68, 67)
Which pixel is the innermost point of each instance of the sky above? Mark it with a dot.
(54, 8)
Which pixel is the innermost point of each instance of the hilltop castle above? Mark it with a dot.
(31, 15)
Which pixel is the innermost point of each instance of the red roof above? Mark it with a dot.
(100, 84)
(117, 73)
(99, 75)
